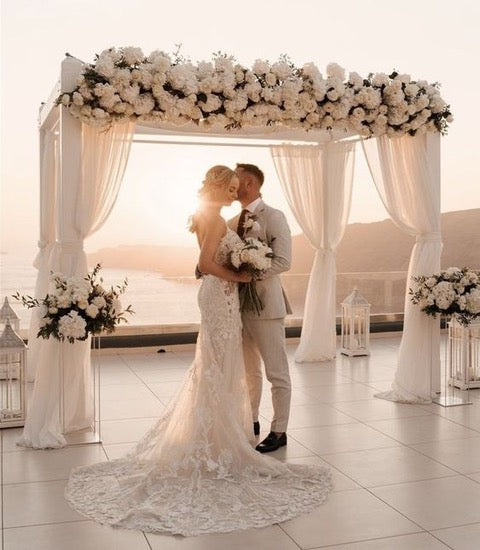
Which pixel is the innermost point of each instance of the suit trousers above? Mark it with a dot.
(265, 339)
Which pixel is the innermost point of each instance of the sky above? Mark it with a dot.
(436, 40)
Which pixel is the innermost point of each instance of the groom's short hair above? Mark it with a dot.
(252, 169)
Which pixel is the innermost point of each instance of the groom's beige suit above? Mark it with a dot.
(264, 334)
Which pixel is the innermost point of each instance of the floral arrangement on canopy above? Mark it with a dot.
(125, 84)
(453, 292)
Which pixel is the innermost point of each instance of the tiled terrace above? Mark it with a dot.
(406, 476)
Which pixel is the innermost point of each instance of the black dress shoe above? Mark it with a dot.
(272, 442)
(256, 428)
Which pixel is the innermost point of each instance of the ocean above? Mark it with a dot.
(155, 300)
(159, 300)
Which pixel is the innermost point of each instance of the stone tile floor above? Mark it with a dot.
(406, 476)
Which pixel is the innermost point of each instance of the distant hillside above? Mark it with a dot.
(368, 247)
(382, 246)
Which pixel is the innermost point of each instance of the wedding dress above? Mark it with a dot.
(196, 471)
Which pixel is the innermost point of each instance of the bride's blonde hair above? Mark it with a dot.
(217, 179)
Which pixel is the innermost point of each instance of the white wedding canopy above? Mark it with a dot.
(81, 172)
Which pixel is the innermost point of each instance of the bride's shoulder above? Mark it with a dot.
(203, 221)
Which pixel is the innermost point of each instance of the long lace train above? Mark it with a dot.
(196, 471)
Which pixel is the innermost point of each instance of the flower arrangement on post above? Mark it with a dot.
(453, 292)
(78, 306)
(255, 257)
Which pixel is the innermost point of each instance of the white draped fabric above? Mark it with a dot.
(317, 182)
(406, 173)
(49, 166)
(85, 196)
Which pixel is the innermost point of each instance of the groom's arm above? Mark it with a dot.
(280, 241)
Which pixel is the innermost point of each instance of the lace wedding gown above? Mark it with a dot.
(196, 471)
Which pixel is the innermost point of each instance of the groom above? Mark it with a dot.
(264, 334)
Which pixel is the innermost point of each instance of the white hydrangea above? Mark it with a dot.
(261, 67)
(142, 89)
(143, 104)
(444, 294)
(160, 61)
(72, 325)
(133, 55)
(64, 301)
(281, 70)
(473, 301)
(355, 80)
(334, 70)
(380, 79)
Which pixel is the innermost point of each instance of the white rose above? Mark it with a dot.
(82, 303)
(52, 310)
(411, 89)
(92, 310)
(99, 301)
(270, 79)
(333, 95)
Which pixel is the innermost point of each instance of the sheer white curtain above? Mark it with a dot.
(407, 175)
(317, 182)
(84, 202)
(49, 166)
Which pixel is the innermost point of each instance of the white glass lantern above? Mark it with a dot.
(463, 355)
(8, 314)
(355, 335)
(13, 359)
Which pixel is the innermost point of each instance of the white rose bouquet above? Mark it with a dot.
(78, 307)
(454, 292)
(255, 257)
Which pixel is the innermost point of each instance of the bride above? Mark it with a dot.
(196, 470)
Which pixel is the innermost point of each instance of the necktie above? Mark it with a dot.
(241, 221)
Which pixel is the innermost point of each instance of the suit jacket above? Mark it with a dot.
(272, 228)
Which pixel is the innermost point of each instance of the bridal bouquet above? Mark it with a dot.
(255, 257)
(78, 306)
(451, 292)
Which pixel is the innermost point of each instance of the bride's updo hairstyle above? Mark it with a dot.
(216, 181)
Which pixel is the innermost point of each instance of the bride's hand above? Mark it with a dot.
(244, 277)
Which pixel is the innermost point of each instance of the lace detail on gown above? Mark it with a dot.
(195, 471)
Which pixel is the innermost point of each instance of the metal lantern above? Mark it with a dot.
(355, 336)
(463, 355)
(13, 363)
(8, 314)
